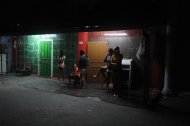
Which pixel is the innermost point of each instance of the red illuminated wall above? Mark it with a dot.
(128, 44)
(82, 42)
(155, 75)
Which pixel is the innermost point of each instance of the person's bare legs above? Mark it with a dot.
(97, 75)
(58, 74)
(63, 73)
(108, 81)
(83, 79)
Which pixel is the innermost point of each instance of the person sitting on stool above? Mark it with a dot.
(75, 74)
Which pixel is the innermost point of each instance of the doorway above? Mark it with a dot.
(96, 51)
(45, 58)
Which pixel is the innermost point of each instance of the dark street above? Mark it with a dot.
(38, 105)
(94, 63)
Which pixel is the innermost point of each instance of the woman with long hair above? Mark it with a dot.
(61, 64)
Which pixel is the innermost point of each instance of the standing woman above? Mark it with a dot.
(117, 68)
(61, 64)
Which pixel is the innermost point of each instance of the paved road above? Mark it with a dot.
(22, 105)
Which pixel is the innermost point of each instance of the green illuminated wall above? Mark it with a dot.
(27, 50)
(67, 43)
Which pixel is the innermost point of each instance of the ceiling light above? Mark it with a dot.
(48, 35)
(115, 34)
(96, 26)
(87, 26)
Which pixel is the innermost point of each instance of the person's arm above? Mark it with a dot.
(105, 59)
(86, 62)
(118, 61)
(64, 57)
(79, 63)
(78, 72)
(113, 60)
(120, 58)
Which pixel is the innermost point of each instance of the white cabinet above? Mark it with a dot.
(3, 68)
(127, 69)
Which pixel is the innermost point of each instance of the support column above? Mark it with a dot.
(170, 49)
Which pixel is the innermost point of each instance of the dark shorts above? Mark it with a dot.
(83, 71)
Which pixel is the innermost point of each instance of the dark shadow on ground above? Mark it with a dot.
(96, 92)
(92, 91)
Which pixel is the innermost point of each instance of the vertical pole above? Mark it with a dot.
(169, 83)
(146, 65)
(1, 56)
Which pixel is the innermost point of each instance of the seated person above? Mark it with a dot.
(105, 69)
(75, 74)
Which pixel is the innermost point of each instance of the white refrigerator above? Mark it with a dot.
(3, 68)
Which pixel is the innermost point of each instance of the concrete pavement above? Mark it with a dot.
(22, 105)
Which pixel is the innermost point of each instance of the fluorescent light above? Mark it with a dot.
(87, 26)
(48, 35)
(115, 34)
(96, 26)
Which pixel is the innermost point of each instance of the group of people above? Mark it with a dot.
(111, 71)
(78, 73)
